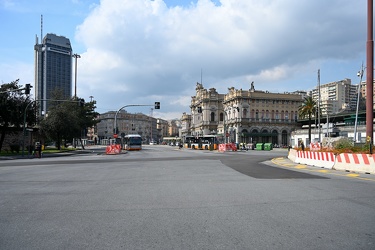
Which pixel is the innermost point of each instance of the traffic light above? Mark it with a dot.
(27, 89)
(199, 109)
(157, 105)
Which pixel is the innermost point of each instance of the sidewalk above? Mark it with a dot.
(87, 150)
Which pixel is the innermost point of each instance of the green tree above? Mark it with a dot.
(67, 119)
(13, 104)
(308, 107)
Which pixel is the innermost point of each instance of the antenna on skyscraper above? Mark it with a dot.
(41, 27)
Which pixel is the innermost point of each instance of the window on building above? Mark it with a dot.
(221, 117)
(244, 113)
(212, 116)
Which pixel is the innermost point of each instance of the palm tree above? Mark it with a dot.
(308, 107)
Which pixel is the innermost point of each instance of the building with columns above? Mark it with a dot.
(243, 116)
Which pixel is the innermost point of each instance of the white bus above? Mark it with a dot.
(132, 142)
(202, 142)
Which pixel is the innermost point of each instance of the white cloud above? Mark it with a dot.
(142, 49)
(16, 70)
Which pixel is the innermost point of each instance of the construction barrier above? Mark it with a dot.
(364, 163)
(113, 149)
(319, 159)
(292, 155)
(227, 147)
(356, 162)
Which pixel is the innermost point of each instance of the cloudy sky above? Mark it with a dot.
(142, 51)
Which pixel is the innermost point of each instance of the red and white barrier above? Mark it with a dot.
(113, 149)
(356, 162)
(292, 155)
(227, 147)
(319, 159)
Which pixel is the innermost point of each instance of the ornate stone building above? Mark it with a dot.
(248, 116)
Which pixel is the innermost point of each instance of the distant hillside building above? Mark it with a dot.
(53, 68)
(336, 97)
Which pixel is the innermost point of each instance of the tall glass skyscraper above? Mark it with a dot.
(53, 69)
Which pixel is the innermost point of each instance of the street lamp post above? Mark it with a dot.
(360, 74)
(75, 56)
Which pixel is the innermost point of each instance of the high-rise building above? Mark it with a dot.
(364, 89)
(336, 97)
(53, 69)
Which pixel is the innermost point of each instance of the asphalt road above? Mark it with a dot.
(165, 198)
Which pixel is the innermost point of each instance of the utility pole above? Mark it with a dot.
(370, 75)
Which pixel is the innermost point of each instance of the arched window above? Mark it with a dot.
(221, 117)
(275, 137)
(244, 113)
(212, 116)
(284, 138)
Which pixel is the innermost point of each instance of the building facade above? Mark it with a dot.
(336, 97)
(149, 128)
(243, 116)
(185, 125)
(53, 69)
(364, 91)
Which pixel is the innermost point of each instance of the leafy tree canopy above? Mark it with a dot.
(67, 119)
(14, 107)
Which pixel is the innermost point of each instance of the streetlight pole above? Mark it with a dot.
(319, 129)
(75, 56)
(360, 74)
